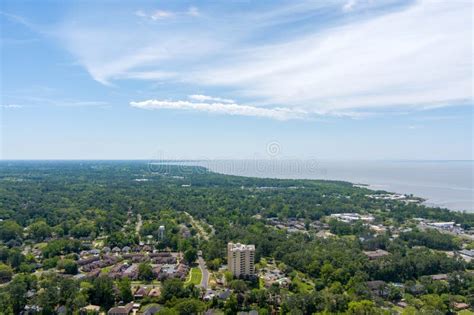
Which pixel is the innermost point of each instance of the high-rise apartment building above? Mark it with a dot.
(241, 259)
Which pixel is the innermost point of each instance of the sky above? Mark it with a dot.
(334, 79)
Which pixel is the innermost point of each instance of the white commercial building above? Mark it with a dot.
(241, 259)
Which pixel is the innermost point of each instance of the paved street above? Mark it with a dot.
(205, 273)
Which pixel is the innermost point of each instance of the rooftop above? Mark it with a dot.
(240, 247)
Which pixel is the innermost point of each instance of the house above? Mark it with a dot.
(131, 272)
(182, 271)
(155, 292)
(93, 274)
(121, 310)
(376, 254)
(141, 292)
(31, 309)
(324, 234)
(467, 255)
(61, 310)
(378, 288)
(90, 309)
(152, 310)
(439, 277)
(284, 282)
(416, 289)
(86, 261)
(116, 250)
(225, 294)
(460, 306)
(156, 271)
(209, 295)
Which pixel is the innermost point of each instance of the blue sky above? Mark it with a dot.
(335, 79)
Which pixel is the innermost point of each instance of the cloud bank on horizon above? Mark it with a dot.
(285, 60)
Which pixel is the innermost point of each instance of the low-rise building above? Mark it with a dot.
(121, 310)
(440, 277)
(351, 217)
(376, 254)
(89, 309)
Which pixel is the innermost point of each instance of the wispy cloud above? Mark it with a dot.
(193, 11)
(157, 15)
(58, 102)
(200, 97)
(349, 5)
(415, 127)
(410, 57)
(222, 108)
(11, 106)
(400, 59)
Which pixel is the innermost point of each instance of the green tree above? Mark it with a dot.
(363, 307)
(39, 230)
(145, 272)
(190, 255)
(17, 289)
(167, 311)
(69, 266)
(5, 304)
(190, 306)
(15, 257)
(172, 288)
(238, 286)
(231, 306)
(10, 230)
(125, 289)
(433, 303)
(103, 292)
(6, 273)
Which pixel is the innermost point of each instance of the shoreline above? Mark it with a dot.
(435, 193)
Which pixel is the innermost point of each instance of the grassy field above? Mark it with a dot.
(195, 276)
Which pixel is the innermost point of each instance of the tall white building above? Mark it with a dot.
(162, 231)
(241, 259)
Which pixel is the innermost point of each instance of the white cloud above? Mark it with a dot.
(222, 108)
(155, 15)
(51, 101)
(200, 97)
(349, 5)
(193, 11)
(416, 57)
(161, 14)
(158, 15)
(11, 106)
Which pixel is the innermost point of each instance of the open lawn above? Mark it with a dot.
(195, 276)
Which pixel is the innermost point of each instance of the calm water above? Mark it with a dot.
(442, 183)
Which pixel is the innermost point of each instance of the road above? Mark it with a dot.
(197, 225)
(205, 273)
(138, 227)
